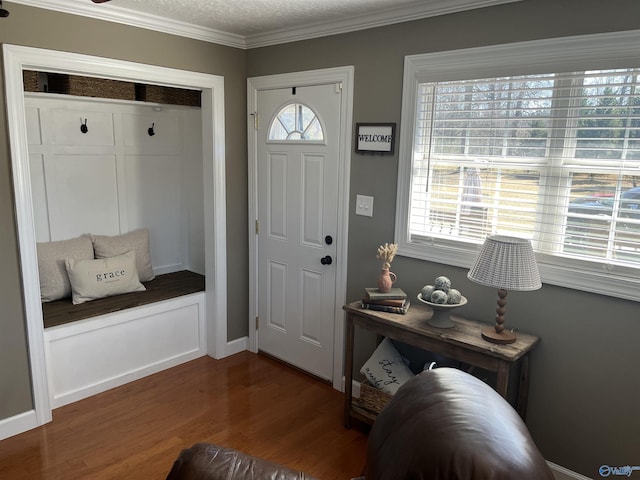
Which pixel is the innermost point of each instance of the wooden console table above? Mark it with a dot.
(462, 342)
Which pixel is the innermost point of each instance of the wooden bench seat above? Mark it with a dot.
(163, 287)
(108, 342)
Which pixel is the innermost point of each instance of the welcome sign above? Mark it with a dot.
(375, 137)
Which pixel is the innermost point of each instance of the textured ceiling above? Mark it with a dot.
(255, 23)
(250, 17)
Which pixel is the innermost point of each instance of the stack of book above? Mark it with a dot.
(393, 301)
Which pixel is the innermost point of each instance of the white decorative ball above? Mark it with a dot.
(442, 283)
(454, 297)
(426, 292)
(438, 296)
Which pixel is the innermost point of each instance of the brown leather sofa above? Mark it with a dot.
(205, 461)
(444, 424)
(448, 425)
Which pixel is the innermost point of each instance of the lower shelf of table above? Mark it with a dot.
(360, 413)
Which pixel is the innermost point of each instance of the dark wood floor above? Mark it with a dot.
(246, 401)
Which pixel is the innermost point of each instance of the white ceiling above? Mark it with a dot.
(253, 23)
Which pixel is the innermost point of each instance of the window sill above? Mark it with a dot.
(609, 280)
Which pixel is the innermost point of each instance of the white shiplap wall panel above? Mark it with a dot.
(116, 177)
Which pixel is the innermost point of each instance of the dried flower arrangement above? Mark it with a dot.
(386, 253)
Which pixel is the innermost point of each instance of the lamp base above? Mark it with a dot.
(503, 338)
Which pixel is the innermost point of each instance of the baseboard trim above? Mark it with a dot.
(355, 388)
(236, 346)
(561, 473)
(122, 378)
(18, 424)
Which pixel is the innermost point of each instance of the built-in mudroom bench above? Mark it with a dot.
(111, 341)
(103, 170)
(161, 289)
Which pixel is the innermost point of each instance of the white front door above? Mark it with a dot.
(298, 162)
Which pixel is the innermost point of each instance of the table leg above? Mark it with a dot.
(348, 371)
(502, 380)
(523, 387)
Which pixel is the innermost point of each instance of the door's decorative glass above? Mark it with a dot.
(296, 122)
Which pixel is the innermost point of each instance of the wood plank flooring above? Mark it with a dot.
(246, 401)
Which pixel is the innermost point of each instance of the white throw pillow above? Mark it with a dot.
(91, 279)
(54, 281)
(386, 369)
(138, 240)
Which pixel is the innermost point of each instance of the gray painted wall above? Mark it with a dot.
(56, 31)
(582, 409)
(583, 400)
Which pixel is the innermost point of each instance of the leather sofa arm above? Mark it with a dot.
(205, 461)
(445, 424)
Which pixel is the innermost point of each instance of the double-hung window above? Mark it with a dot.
(539, 140)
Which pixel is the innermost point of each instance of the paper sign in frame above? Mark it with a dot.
(375, 137)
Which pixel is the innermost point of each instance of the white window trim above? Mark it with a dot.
(610, 50)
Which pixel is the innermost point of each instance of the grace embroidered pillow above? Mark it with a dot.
(104, 277)
(138, 240)
(386, 369)
(54, 281)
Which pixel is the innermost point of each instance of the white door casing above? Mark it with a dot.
(336, 76)
(17, 58)
(297, 218)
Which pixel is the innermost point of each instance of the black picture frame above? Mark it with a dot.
(375, 138)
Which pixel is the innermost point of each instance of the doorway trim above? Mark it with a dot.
(345, 77)
(18, 58)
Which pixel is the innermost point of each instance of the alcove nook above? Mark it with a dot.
(108, 158)
(128, 344)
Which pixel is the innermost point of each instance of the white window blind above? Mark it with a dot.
(537, 139)
(554, 158)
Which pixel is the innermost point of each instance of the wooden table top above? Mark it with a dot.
(466, 333)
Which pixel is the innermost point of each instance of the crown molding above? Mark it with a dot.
(113, 13)
(379, 18)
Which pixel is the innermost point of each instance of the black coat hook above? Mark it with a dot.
(151, 131)
(3, 12)
(83, 127)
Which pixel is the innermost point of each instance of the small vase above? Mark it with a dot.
(385, 280)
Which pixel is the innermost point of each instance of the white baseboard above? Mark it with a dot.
(561, 473)
(236, 346)
(355, 388)
(17, 424)
(96, 354)
(22, 422)
(26, 421)
(122, 378)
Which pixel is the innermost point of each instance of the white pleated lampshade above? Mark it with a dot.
(506, 262)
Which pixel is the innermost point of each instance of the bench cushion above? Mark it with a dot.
(104, 277)
(138, 240)
(54, 281)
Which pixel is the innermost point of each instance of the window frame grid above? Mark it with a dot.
(581, 53)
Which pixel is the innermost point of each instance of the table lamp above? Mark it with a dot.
(505, 263)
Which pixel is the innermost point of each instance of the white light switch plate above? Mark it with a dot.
(364, 205)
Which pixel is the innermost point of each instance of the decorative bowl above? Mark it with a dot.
(441, 312)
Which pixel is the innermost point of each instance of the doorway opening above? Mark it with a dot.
(18, 59)
(342, 78)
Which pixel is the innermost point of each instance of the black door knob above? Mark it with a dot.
(326, 260)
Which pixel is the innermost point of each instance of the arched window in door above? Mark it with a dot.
(296, 122)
